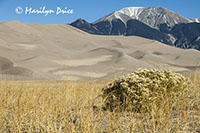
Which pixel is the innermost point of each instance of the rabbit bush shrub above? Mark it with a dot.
(142, 87)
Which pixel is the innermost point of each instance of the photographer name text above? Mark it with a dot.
(43, 11)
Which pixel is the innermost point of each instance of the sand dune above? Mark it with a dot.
(85, 62)
(34, 51)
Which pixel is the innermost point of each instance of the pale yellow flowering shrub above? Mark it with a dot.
(141, 88)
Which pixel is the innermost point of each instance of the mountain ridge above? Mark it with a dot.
(147, 16)
(160, 22)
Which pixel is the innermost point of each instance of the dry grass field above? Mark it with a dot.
(76, 106)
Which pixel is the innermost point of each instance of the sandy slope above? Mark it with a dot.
(34, 51)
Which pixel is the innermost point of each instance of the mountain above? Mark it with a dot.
(187, 35)
(132, 27)
(155, 23)
(59, 51)
(196, 20)
(151, 16)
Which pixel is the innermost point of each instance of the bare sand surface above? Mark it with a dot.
(34, 51)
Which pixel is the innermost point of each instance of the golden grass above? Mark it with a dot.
(66, 106)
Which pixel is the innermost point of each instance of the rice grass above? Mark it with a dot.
(66, 106)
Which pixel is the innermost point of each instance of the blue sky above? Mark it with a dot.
(89, 10)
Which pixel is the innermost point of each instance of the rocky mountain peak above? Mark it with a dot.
(151, 16)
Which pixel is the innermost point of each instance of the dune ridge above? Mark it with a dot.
(56, 51)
